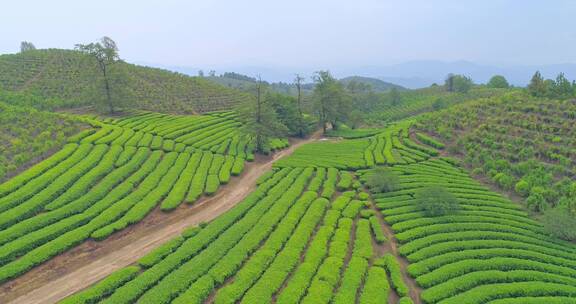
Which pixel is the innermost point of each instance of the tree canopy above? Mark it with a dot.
(382, 180)
(113, 77)
(331, 102)
(260, 118)
(498, 82)
(458, 83)
(26, 46)
(436, 201)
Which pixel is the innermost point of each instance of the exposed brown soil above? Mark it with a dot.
(90, 262)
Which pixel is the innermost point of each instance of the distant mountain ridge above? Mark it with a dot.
(246, 83)
(411, 74)
(423, 73)
(377, 85)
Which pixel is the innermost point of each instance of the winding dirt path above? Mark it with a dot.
(92, 261)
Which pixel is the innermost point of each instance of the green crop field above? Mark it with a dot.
(313, 232)
(27, 134)
(111, 176)
(123, 184)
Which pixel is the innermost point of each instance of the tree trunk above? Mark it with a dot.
(107, 87)
(299, 103)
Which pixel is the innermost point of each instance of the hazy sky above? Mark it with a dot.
(302, 33)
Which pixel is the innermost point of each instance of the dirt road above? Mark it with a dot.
(92, 261)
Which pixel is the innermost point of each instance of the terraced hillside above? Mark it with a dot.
(488, 250)
(112, 176)
(415, 102)
(522, 144)
(313, 233)
(27, 135)
(68, 75)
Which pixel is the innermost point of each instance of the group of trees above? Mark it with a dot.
(560, 87)
(458, 83)
(270, 114)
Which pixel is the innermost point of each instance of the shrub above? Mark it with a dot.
(382, 180)
(351, 280)
(393, 268)
(377, 230)
(429, 141)
(560, 222)
(522, 187)
(436, 201)
(212, 184)
(103, 288)
(376, 287)
(345, 181)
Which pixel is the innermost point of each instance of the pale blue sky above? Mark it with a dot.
(301, 33)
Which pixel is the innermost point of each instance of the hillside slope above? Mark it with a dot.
(375, 84)
(27, 134)
(67, 75)
(520, 143)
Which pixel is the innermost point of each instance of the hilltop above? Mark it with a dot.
(375, 84)
(67, 75)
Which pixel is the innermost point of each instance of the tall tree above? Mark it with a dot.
(562, 88)
(301, 123)
(449, 83)
(395, 97)
(105, 53)
(537, 87)
(498, 82)
(260, 119)
(330, 100)
(26, 46)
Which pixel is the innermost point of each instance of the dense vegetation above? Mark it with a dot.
(487, 249)
(110, 177)
(69, 76)
(308, 235)
(522, 144)
(336, 221)
(27, 134)
(383, 108)
(290, 241)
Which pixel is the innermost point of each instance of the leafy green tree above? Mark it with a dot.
(436, 201)
(105, 53)
(382, 180)
(395, 97)
(537, 199)
(301, 123)
(330, 100)
(562, 88)
(439, 104)
(26, 46)
(522, 187)
(287, 111)
(355, 119)
(537, 87)
(498, 82)
(560, 222)
(458, 83)
(260, 119)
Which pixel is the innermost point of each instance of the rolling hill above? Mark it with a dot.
(376, 85)
(66, 75)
